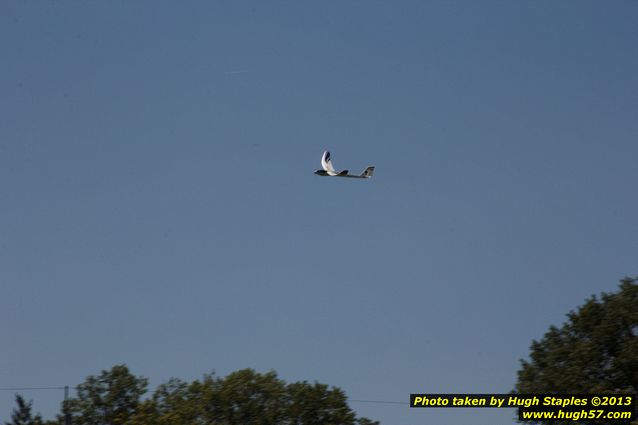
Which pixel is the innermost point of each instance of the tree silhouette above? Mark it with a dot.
(22, 413)
(595, 351)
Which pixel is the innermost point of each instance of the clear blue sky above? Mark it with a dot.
(158, 204)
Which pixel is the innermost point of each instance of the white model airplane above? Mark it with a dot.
(328, 169)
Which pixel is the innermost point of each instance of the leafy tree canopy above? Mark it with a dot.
(110, 398)
(244, 397)
(22, 414)
(595, 351)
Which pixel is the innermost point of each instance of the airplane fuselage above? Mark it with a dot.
(329, 171)
(341, 174)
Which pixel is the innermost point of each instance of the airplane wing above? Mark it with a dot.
(329, 170)
(326, 163)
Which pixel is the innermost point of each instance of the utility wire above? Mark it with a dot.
(61, 388)
(379, 402)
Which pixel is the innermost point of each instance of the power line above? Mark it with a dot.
(379, 402)
(31, 388)
(67, 416)
(66, 387)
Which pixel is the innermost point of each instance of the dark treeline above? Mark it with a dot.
(245, 397)
(594, 351)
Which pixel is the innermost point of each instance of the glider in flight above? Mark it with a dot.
(328, 169)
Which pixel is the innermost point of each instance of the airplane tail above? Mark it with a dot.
(368, 172)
